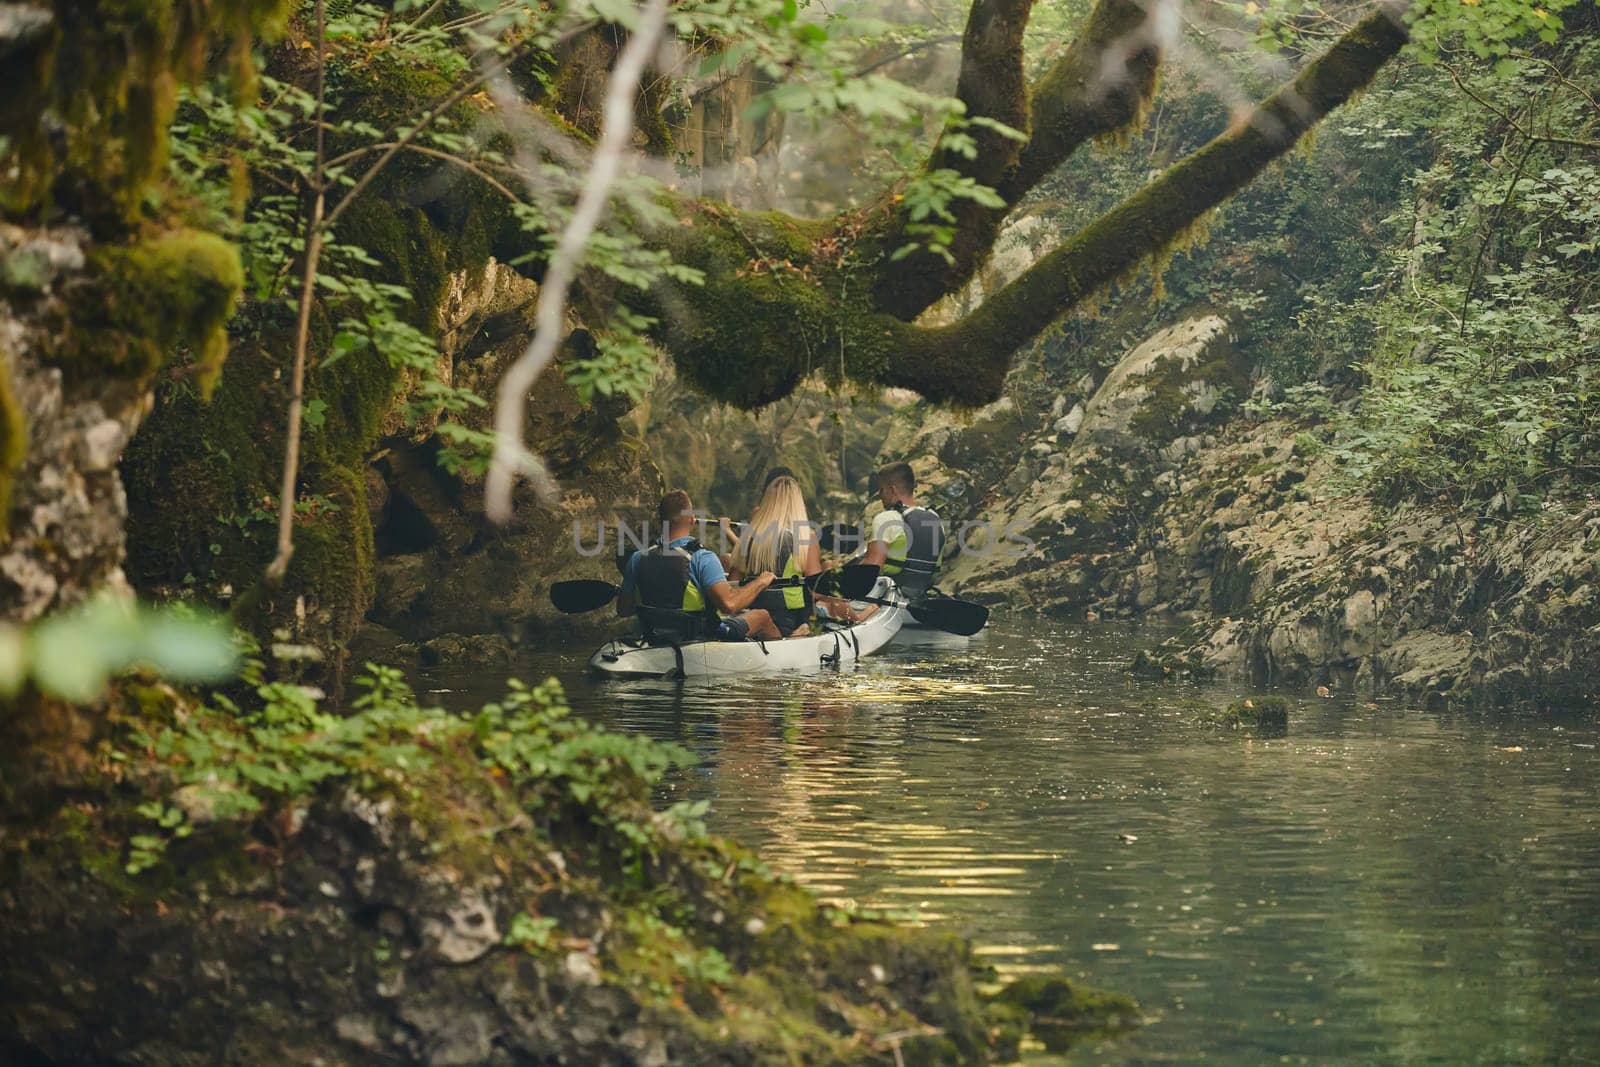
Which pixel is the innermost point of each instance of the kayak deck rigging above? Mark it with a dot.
(836, 644)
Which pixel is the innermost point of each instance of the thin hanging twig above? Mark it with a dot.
(511, 455)
(297, 377)
(318, 225)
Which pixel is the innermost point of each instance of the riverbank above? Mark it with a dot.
(1147, 490)
(271, 881)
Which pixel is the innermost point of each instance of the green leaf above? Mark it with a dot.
(621, 12)
(187, 649)
(344, 343)
(13, 659)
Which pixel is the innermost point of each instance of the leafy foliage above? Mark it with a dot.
(244, 760)
(73, 654)
(1485, 340)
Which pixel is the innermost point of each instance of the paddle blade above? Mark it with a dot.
(953, 616)
(857, 579)
(584, 594)
(823, 583)
(839, 538)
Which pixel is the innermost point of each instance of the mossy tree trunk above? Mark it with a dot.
(786, 297)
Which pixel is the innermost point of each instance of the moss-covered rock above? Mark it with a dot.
(141, 305)
(91, 88)
(1267, 712)
(223, 456)
(1063, 1013)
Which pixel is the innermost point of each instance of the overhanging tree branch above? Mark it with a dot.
(966, 361)
(1103, 84)
(1100, 85)
(990, 85)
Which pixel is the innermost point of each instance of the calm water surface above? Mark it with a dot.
(1383, 884)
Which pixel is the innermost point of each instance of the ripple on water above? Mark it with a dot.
(1380, 883)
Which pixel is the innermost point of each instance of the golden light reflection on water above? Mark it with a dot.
(1397, 877)
(916, 690)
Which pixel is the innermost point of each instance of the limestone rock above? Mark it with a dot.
(1055, 543)
(465, 931)
(67, 506)
(1071, 422)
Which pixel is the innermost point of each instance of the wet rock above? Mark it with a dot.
(474, 650)
(1269, 712)
(1064, 1014)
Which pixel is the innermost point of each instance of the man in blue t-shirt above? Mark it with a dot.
(678, 575)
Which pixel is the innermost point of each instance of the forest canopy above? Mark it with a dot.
(812, 193)
(488, 110)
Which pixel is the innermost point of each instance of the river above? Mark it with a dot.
(1382, 883)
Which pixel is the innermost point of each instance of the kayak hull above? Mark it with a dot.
(833, 646)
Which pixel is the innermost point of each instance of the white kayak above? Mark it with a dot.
(829, 645)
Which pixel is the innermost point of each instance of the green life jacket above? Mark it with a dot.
(913, 553)
(663, 579)
(790, 598)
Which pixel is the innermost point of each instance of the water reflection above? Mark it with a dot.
(1381, 883)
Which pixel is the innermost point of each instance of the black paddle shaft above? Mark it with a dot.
(590, 594)
(960, 617)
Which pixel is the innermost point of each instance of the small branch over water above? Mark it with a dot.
(511, 455)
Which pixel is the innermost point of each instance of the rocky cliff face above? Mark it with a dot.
(1293, 585)
(63, 521)
(1053, 537)
(441, 567)
(720, 454)
(1150, 493)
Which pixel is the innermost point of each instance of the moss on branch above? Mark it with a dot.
(764, 318)
(1101, 85)
(967, 360)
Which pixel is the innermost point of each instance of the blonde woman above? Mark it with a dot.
(779, 538)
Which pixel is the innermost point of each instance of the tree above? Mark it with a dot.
(783, 297)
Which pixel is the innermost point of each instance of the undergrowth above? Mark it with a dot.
(254, 756)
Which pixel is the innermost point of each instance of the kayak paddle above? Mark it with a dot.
(581, 595)
(839, 537)
(589, 594)
(961, 617)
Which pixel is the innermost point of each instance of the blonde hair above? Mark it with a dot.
(781, 511)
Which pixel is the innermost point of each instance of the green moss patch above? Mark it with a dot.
(13, 441)
(1265, 712)
(1063, 1013)
(147, 303)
